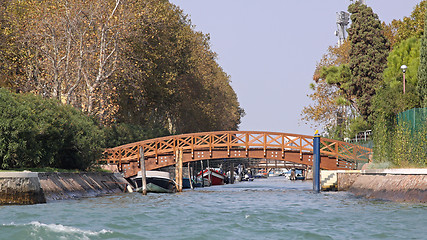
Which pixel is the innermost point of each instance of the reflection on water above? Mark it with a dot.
(272, 208)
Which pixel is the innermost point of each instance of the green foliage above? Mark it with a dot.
(339, 76)
(368, 55)
(412, 26)
(390, 100)
(406, 53)
(42, 133)
(122, 133)
(171, 79)
(395, 143)
(140, 63)
(357, 125)
(422, 70)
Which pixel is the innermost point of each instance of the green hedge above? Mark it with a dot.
(397, 143)
(36, 132)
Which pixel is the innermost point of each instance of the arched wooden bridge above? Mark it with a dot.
(160, 152)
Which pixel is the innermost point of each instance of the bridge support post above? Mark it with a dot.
(316, 163)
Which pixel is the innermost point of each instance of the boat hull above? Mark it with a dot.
(216, 178)
(186, 183)
(157, 182)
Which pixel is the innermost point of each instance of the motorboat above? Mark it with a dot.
(186, 183)
(157, 182)
(213, 176)
(261, 174)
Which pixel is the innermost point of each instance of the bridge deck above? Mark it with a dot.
(161, 152)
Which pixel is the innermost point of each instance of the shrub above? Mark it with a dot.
(36, 132)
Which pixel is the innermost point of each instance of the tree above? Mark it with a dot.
(406, 53)
(412, 26)
(368, 55)
(173, 79)
(123, 61)
(327, 109)
(422, 69)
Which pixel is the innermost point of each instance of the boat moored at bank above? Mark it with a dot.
(213, 176)
(157, 182)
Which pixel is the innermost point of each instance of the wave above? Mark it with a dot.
(51, 230)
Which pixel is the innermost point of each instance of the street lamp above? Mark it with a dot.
(403, 67)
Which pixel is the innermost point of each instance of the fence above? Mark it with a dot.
(414, 118)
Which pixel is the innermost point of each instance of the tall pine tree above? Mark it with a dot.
(368, 55)
(422, 69)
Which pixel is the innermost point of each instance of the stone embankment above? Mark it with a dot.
(400, 185)
(32, 188)
(20, 188)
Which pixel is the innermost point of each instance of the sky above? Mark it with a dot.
(270, 49)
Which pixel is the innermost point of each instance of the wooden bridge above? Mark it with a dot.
(294, 148)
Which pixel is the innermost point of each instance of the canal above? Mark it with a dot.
(272, 208)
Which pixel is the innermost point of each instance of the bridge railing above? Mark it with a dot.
(232, 140)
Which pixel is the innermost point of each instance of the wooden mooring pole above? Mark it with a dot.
(231, 173)
(209, 174)
(178, 171)
(189, 175)
(143, 173)
(203, 180)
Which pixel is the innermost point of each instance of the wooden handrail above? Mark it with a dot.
(235, 140)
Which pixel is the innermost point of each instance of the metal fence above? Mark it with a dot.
(414, 118)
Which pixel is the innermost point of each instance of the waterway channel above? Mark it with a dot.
(273, 208)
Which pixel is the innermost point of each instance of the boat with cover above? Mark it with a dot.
(157, 182)
(215, 176)
(186, 183)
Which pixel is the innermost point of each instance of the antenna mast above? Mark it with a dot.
(361, 1)
(342, 23)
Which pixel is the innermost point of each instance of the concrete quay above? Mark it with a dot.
(399, 185)
(33, 187)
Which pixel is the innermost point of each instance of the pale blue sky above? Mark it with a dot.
(270, 49)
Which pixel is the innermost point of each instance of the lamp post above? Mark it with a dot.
(403, 67)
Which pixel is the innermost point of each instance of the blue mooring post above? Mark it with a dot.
(316, 164)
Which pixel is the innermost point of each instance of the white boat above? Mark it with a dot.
(157, 181)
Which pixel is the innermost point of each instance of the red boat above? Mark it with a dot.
(216, 177)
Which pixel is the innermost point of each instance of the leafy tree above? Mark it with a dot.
(422, 69)
(412, 26)
(123, 61)
(173, 79)
(327, 107)
(368, 55)
(406, 53)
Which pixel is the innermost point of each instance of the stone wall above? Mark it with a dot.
(337, 180)
(399, 188)
(346, 180)
(400, 185)
(58, 186)
(20, 188)
(33, 188)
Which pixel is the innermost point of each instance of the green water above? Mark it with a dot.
(272, 208)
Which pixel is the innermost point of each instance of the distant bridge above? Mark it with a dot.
(293, 148)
